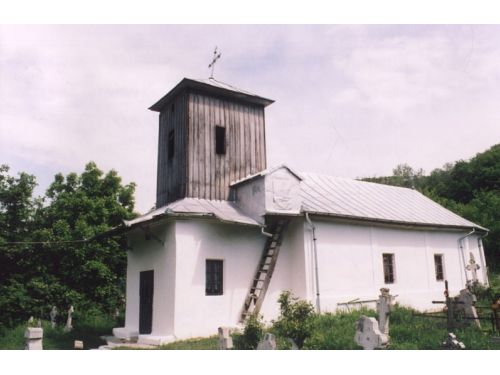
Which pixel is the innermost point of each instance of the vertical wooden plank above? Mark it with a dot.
(257, 138)
(190, 152)
(196, 147)
(263, 143)
(206, 139)
(242, 141)
(252, 146)
(218, 175)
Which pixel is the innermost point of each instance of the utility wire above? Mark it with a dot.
(42, 242)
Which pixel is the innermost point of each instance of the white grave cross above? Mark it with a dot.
(69, 322)
(368, 334)
(225, 339)
(384, 307)
(53, 315)
(473, 267)
(268, 343)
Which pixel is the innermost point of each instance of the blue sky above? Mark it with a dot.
(351, 101)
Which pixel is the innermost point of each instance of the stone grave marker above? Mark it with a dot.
(451, 342)
(368, 334)
(225, 339)
(473, 267)
(467, 301)
(53, 316)
(69, 322)
(268, 343)
(33, 338)
(384, 308)
(78, 344)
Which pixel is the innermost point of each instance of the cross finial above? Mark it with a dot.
(217, 56)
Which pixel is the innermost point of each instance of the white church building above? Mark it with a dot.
(229, 234)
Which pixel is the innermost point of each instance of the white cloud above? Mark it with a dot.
(350, 100)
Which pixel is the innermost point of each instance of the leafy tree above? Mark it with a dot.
(469, 188)
(64, 265)
(295, 320)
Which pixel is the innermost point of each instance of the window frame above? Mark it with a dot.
(436, 272)
(220, 140)
(214, 277)
(171, 145)
(390, 276)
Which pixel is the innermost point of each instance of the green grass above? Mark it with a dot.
(206, 343)
(87, 330)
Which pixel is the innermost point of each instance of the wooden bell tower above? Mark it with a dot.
(210, 134)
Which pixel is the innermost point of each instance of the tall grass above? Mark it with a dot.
(87, 328)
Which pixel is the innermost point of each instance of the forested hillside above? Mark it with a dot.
(470, 188)
(47, 254)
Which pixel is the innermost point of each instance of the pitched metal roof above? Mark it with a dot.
(211, 86)
(223, 210)
(264, 173)
(343, 197)
(329, 196)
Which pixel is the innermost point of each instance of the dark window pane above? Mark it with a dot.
(438, 263)
(213, 277)
(171, 145)
(388, 260)
(220, 140)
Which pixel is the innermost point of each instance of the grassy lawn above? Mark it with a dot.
(329, 331)
(87, 331)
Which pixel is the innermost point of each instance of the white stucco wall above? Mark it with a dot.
(350, 266)
(350, 263)
(239, 247)
(147, 255)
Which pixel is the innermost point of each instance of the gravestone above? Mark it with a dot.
(69, 322)
(451, 342)
(368, 334)
(473, 267)
(78, 344)
(53, 316)
(268, 343)
(225, 339)
(33, 338)
(384, 308)
(294, 345)
(466, 305)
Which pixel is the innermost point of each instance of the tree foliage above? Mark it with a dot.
(63, 266)
(296, 318)
(469, 188)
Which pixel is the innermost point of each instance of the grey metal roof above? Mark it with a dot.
(223, 210)
(264, 173)
(211, 86)
(343, 197)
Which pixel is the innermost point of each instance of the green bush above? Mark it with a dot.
(252, 334)
(295, 320)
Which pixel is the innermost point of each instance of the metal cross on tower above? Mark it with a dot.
(217, 56)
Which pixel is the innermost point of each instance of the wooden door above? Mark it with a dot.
(146, 289)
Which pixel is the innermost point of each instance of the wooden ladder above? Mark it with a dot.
(262, 279)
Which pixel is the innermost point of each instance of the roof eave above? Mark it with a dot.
(399, 223)
(186, 83)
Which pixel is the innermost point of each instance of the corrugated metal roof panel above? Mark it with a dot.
(344, 197)
(223, 210)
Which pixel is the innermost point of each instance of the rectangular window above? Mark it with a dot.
(213, 277)
(220, 140)
(388, 260)
(171, 145)
(439, 265)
